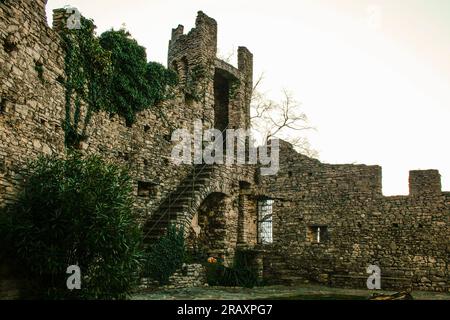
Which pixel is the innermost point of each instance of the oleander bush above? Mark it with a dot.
(75, 211)
(242, 273)
(165, 256)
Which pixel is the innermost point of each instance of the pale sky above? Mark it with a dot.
(372, 76)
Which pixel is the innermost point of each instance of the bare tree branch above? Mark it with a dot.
(281, 119)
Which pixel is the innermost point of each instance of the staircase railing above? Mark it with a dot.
(167, 210)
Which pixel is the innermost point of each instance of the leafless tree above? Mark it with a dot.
(281, 119)
(227, 57)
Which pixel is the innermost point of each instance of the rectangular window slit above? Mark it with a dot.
(317, 234)
(146, 189)
(265, 226)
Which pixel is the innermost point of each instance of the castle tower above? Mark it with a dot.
(216, 91)
(192, 56)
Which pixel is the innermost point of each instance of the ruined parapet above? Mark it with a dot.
(60, 17)
(245, 66)
(221, 92)
(32, 9)
(200, 42)
(39, 7)
(238, 84)
(192, 56)
(424, 183)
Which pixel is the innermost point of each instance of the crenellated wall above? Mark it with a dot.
(406, 236)
(32, 109)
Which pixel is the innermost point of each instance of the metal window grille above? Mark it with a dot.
(265, 221)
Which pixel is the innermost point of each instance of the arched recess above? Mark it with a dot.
(207, 232)
(247, 218)
(181, 67)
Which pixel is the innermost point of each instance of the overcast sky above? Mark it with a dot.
(373, 76)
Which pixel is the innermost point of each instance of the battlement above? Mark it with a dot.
(424, 183)
(203, 23)
(201, 40)
(225, 89)
(364, 179)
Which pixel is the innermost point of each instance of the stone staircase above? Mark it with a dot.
(181, 204)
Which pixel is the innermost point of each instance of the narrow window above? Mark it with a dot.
(265, 221)
(146, 189)
(2, 105)
(184, 70)
(317, 234)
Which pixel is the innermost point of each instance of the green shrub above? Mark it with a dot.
(165, 256)
(242, 273)
(5, 227)
(77, 211)
(197, 254)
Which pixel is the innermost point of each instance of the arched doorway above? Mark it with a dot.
(207, 233)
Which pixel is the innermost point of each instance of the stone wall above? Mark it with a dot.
(406, 236)
(32, 110)
(32, 105)
(189, 276)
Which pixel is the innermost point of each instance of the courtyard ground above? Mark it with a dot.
(303, 292)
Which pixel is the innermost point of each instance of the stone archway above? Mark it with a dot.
(208, 231)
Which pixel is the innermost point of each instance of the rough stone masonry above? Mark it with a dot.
(329, 221)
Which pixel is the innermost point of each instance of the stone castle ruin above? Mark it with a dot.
(310, 222)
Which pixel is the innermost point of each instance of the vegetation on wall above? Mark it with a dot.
(195, 76)
(165, 256)
(161, 80)
(235, 84)
(135, 84)
(76, 211)
(109, 73)
(88, 75)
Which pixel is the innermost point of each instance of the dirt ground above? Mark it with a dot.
(303, 292)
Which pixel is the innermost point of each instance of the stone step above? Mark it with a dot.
(197, 181)
(180, 199)
(186, 194)
(178, 206)
(189, 189)
(201, 174)
(161, 220)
